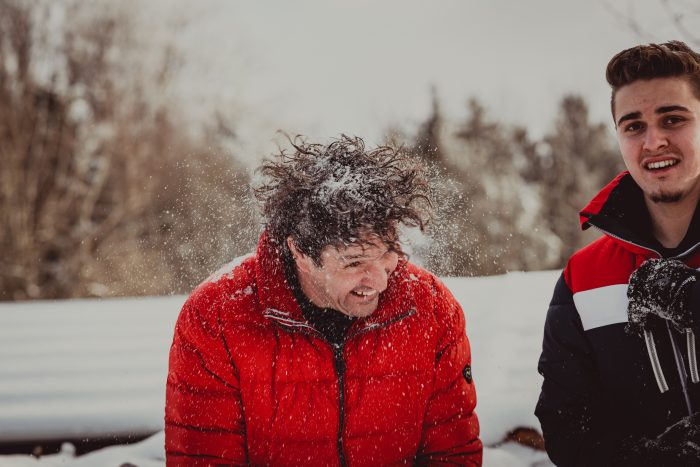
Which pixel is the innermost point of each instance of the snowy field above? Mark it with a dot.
(90, 368)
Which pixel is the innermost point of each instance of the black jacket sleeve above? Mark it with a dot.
(695, 305)
(568, 406)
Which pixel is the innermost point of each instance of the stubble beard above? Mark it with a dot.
(666, 197)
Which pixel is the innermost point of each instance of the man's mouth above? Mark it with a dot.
(658, 165)
(365, 293)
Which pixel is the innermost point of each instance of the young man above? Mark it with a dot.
(619, 358)
(327, 347)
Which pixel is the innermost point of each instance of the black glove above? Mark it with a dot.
(678, 445)
(660, 288)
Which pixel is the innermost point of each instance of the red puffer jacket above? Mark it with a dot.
(251, 382)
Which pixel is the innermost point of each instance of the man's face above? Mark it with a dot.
(659, 136)
(349, 279)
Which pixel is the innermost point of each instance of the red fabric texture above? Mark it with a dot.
(250, 382)
(608, 260)
(604, 262)
(596, 204)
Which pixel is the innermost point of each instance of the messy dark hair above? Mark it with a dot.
(645, 62)
(338, 193)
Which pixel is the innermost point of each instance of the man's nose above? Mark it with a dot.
(377, 276)
(655, 139)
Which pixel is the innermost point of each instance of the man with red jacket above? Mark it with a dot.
(327, 347)
(619, 357)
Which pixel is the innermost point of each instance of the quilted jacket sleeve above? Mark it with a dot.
(203, 417)
(451, 427)
(568, 406)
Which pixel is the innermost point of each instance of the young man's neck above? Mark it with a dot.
(670, 221)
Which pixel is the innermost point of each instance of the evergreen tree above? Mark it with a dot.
(577, 159)
(481, 225)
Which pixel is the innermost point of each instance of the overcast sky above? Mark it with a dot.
(322, 67)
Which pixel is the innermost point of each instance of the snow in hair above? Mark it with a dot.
(332, 194)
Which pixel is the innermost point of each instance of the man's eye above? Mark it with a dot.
(672, 120)
(354, 264)
(633, 127)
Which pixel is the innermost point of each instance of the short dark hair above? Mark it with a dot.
(334, 194)
(645, 62)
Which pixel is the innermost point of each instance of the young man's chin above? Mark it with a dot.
(664, 197)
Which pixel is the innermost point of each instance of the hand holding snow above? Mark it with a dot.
(660, 288)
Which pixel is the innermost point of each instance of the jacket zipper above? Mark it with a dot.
(687, 252)
(295, 326)
(340, 371)
(622, 239)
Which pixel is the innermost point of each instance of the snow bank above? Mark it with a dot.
(78, 368)
(505, 320)
(87, 368)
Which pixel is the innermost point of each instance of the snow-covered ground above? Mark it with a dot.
(75, 368)
(88, 368)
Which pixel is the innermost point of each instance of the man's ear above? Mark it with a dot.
(301, 260)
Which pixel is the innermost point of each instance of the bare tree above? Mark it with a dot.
(102, 191)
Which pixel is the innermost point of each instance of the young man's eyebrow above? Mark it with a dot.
(629, 116)
(671, 108)
(659, 111)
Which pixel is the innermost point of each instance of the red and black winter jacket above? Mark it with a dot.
(599, 389)
(252, 382)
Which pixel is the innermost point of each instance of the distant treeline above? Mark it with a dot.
(105, 191)
(507, 202)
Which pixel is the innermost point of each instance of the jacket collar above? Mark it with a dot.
(278, 302)
(619, 211)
